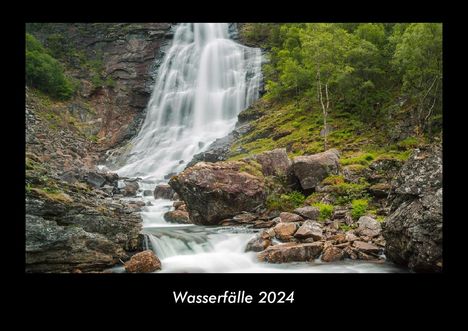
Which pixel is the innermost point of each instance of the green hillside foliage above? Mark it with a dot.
(44, 72)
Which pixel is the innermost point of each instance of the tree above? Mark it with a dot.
(418, 58)
(324, 49)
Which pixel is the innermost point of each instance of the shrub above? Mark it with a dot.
(326, 210)
(359, 208)
(44, 72)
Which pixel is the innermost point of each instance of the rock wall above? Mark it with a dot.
(413, 230)
(128, 54)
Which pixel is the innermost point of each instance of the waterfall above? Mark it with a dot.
(204, 81)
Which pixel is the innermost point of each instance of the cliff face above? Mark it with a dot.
(77, 219)
(114, 66)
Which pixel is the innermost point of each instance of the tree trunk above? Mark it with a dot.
(324, 109)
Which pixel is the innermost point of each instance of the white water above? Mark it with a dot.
(204, 81)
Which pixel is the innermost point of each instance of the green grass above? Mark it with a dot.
(285, 202)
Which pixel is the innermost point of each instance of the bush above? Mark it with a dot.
(326, 210)
(44, 72)
(359, 208)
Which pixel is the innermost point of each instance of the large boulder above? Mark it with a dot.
(413, 230)
(312, 169)
(291, 252)
(145, 261)
(218, 191)
(275, 162)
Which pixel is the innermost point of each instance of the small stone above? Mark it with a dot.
(145, 261)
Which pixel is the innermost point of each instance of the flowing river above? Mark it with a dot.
(204, 81)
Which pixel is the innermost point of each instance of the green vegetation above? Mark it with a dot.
(333, 180)
(359, 208)
(326, 210)
(360, 69)
(285, 202)
(45, 72)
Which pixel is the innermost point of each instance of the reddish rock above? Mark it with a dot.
(214, 192)
(145, 261)
(332, 253)
(366, 247)
(177, 216)
(285, 231)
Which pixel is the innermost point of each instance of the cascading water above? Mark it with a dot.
(204, 81)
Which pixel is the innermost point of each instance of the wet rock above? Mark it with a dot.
(367, 226)
(244, 218)
(310, 229)
(275, 162)
(257, 244)
(217, 191)
(177, 216)
(366, 247)
(284, 231)
(332, 253)
(291, 252)
(163, 191)
(413, 230)
(147, 193)
(55, 248)
(94, 179)
(290, 217)
(178, 204)
(308, 212)
(108, 189)
(312, 169)
(145, 261)
(130, 188)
